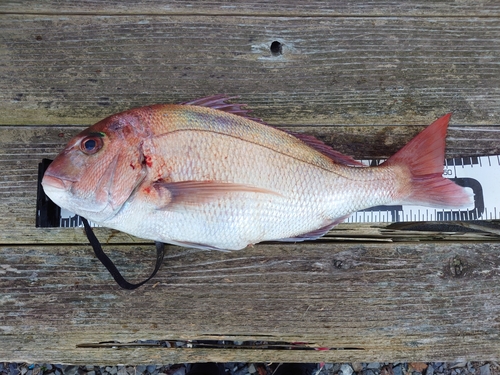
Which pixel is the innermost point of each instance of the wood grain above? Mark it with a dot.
(333, 70)
(381, 8)
(394, 302)
(362, 76)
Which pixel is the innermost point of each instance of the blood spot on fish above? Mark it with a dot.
(147, 190)
(132, 166)
(148, 161)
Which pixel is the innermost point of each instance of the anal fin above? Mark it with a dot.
(195, 245)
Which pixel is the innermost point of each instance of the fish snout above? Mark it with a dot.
(55, 183)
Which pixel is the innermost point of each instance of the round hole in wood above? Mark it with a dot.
(276, 48)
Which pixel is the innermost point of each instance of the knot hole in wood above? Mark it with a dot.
(276, 48)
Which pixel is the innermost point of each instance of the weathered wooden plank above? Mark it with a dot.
(23, 147)
(418, 301)
(332, 70)
(366, 63)
(282, 8)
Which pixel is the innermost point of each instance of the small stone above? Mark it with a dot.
(140, 369)
(91, 373)
(357, 366)
(373, 365)
(151, 368)
(430, 370)
(70, 370)
(347, 370)
(397, 370)
(242, 371)
(13, 370)
(180, 371)
(251, 368)
(485, 369)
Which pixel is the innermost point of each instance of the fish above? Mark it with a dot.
(207, 175)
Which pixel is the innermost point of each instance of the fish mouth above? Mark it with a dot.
(55, 183)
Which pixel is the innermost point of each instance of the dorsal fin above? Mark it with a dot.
(220, 102)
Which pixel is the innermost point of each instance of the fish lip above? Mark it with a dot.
(55, 183)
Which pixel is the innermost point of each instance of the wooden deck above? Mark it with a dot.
(364, 77)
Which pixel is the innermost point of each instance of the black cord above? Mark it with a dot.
(108, 263)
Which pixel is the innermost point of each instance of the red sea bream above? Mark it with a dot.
(203, 174)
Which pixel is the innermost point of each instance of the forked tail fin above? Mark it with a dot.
(424, 157)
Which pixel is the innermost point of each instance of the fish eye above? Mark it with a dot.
(90, 145)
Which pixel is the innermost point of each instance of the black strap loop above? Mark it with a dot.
(108, 263)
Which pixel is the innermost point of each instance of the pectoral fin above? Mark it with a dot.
(196, 193)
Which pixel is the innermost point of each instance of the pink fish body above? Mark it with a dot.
(203, 174)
